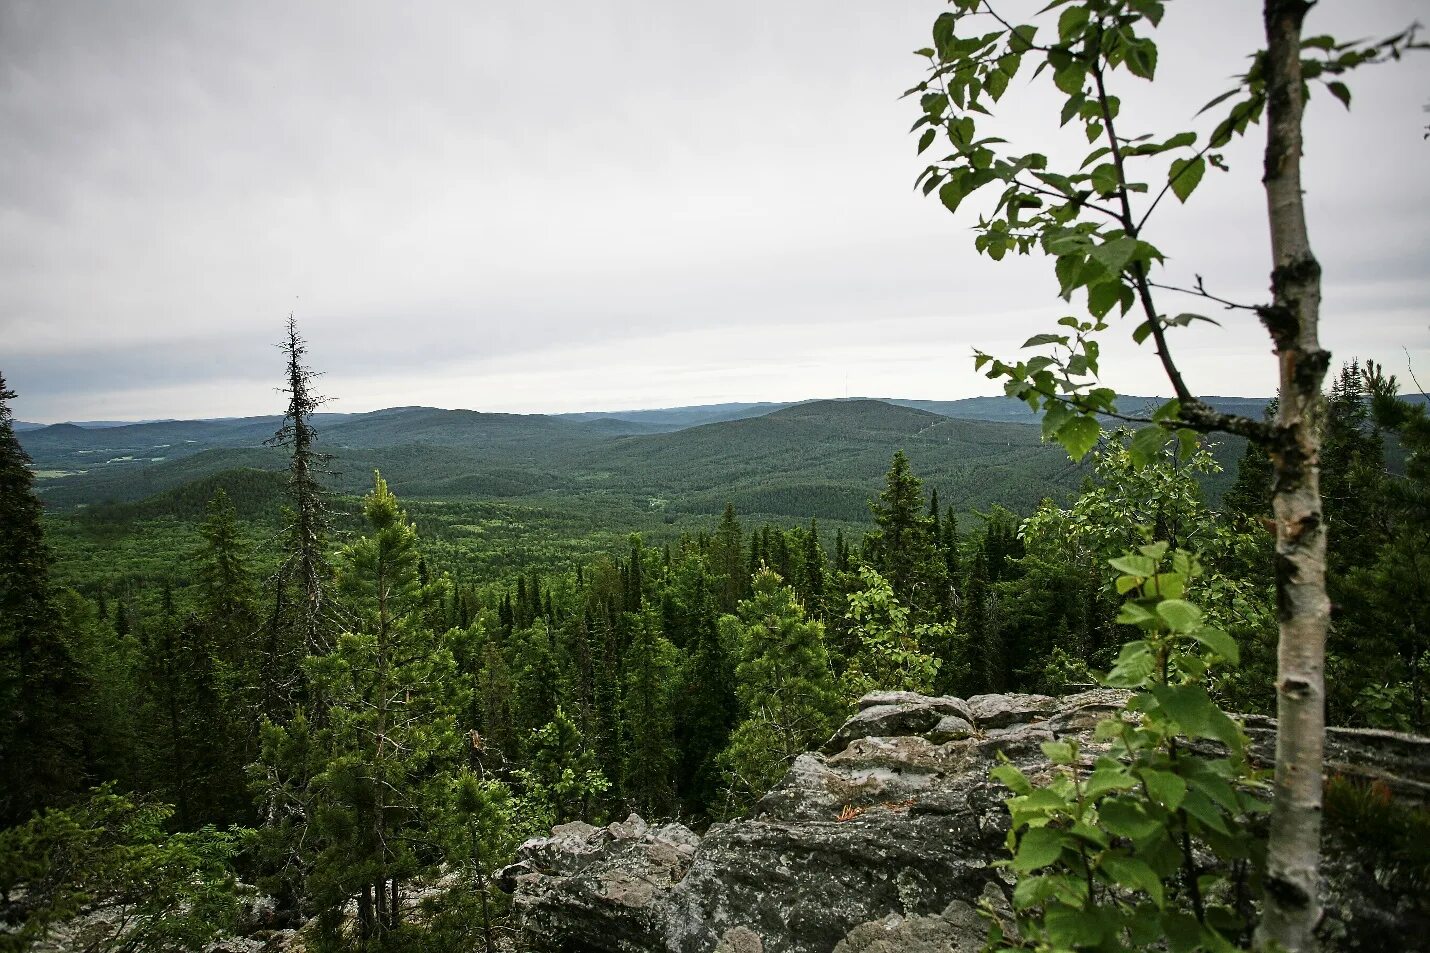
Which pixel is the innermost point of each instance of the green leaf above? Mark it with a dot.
(1109, 778)
(1039, 847)
(1102, 296)
(1125, 818)
(927, 139)
(952, 193)
(1059, 752)
(1180, 615)
(1146, 445)
(1185, 175)
(1020, 40)
(1079, 435)
(1168, 585)
(1134, 565)
(1011, 778)
(1142, 58)
(1072, 928)
(1038, 340)
(1166, 788)
(1134, 666)
(997, 83)
(1219, 642)
(1115, 255)
(1195, 714)
(1105, 179)
(1070, 78)
(1198, 805)
(1072, 22)
(1134, 874)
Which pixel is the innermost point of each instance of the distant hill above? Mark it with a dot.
(678, 418)
(1012, 409)
(820, 458)
(826, 459)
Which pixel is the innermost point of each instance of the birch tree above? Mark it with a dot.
(1095, 221)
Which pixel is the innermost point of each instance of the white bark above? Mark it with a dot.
(1292, 907)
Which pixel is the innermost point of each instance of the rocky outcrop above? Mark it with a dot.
(884, 840)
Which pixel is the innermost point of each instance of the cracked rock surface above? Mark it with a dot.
(884, 840)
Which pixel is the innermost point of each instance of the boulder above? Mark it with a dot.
(886, 840)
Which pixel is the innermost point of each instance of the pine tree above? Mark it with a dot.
(41, 683)
(390, 743)
(784, 685)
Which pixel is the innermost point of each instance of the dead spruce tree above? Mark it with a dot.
(1093, 220)
(302, 621)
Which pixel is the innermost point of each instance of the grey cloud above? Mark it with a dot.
(436, 185)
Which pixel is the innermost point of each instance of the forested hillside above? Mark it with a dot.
(814, 459)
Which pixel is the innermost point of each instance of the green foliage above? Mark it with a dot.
(786, 689)
(41, 741)
(366, 782)
(894, 654)
(647, 708)
(1143, 840)
(561, 782)
(1091, 218)
(1386, 837)
(168, 893)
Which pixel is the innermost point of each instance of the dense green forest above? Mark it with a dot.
(251, 678)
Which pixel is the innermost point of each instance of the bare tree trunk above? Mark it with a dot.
(1292, 907)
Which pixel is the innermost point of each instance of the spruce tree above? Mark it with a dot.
(706, 709)
(812, 572)
(902, 548)
(227, 629)
(305, 572)
(41, 684)
(650, 728)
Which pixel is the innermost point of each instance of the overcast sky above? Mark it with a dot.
(602, 205)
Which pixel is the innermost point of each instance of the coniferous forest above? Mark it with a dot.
(313, 680)
(313, 701)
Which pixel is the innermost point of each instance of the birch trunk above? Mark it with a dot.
(1292, 906)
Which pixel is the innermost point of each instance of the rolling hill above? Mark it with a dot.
(822, 458)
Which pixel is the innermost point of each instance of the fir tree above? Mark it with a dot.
(707, 707)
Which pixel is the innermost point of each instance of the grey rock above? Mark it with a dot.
(940, 703)
(951, 728)
(958, 929)
(740, 940)
(886, 840)
(890, 714)
(1000, 711)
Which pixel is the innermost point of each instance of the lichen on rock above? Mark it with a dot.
(885, 839)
